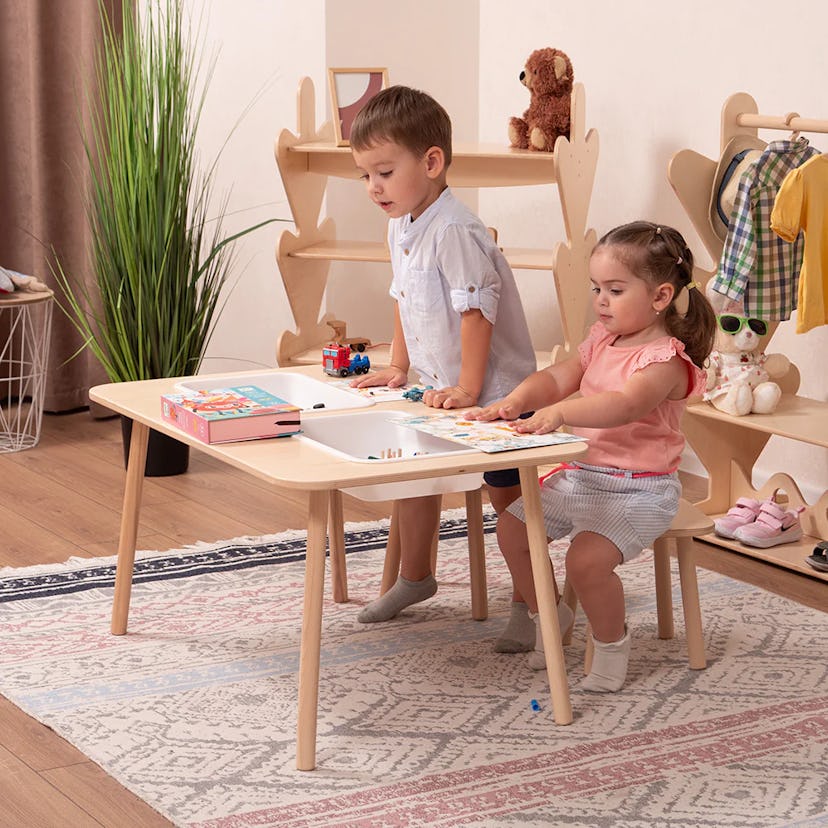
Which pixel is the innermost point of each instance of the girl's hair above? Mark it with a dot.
(404, 116)
(658, 254)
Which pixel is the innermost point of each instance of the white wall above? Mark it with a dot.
(431, 45)
(656, 76)
(261, 48)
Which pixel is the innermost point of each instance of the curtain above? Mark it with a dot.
(47, 51)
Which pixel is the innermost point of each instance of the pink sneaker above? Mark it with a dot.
(773, 526)
(744, 512)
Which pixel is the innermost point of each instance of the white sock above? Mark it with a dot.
(403, 594)
(519, 635)
(566, 618)
(609, 665)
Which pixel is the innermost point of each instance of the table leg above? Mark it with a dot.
(311, 632)
(545, 591)
(336, 540)
(129, 527)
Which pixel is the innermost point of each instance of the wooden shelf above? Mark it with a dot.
(728, 446)
(798, 418)
(520, 258)
(472, 165)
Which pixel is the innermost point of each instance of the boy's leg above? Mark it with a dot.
(519, 635)
(590, 567)
(419, 518)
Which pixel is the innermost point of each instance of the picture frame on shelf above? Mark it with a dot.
(351, 89)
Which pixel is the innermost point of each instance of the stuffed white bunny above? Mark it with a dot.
(740, 379)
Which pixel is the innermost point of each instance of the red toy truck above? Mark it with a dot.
(338, 361)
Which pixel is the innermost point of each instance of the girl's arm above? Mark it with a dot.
(397, 372)
(546, 386)
(475, 339)
(642, 392)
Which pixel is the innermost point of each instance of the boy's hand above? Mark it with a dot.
(451, 397)
(391, 376)
(504, 409)
(541, 422)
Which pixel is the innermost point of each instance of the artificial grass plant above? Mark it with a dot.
(160, 260)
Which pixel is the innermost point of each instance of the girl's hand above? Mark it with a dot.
(451, 397)
(504, 409)
(392, 377)
(541, 422)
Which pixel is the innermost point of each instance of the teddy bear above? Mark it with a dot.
(740, 379)
(548, 77)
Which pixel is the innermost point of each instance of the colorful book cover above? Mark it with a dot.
(224, 415)
(491, 437)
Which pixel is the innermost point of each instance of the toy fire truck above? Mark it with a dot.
(338, 361)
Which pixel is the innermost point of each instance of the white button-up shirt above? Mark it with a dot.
(446, 263)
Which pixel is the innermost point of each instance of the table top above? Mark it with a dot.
(299, 464)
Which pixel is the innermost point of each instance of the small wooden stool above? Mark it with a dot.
(688, 523)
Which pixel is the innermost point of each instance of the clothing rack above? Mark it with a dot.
(740, 116)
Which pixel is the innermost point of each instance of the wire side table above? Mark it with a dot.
(26, 319)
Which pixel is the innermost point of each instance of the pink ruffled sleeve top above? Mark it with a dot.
(655, 442)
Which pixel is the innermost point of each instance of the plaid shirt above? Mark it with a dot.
(757, 267)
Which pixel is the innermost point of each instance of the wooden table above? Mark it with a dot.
(298, 464)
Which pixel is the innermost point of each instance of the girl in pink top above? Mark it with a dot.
(635, 370)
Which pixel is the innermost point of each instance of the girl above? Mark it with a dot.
(640, 362)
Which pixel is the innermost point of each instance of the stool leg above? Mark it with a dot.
(434, 543)
(663, 587)
(690, 603)
(391, 567)
(336, 544)
(477, 555)
(571, 600)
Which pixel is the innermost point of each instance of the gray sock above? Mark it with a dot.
(403, 594)
(519, 635)
(566, 619)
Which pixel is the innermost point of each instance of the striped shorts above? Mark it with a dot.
(631, 512)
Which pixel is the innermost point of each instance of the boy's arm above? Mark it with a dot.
(396, 374)
(475, 339)
(544, 387)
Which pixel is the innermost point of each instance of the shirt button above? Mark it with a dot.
(402, 293)
(435, 376)
(405, 251)
(471, 288)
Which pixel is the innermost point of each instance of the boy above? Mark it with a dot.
(458, 320)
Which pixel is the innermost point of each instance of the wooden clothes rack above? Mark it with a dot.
(728, 446)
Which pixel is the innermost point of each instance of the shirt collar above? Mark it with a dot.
(411, 229)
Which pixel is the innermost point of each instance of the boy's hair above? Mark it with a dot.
(658, 254)
(404, 116)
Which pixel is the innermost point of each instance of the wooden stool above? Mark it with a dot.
(688, 523)
(391, 567)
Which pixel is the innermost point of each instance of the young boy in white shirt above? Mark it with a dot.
(458, 320)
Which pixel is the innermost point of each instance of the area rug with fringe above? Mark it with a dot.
(420, 722)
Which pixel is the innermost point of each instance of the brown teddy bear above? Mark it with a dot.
(548, 77)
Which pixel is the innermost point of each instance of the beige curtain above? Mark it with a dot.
(46, 77)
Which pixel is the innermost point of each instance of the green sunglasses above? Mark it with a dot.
(731, 324)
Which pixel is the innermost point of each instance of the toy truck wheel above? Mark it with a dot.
(343, 372)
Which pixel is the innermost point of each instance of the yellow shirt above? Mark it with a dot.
(802, 204)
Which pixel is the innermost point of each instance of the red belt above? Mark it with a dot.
(565, 466)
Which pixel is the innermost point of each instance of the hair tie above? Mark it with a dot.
(679, 260)
(658, 231)
(691, 285)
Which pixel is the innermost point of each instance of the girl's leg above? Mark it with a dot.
(519, 635)
(590, 568)
(419, 518)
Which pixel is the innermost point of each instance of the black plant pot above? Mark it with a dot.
(165, 455)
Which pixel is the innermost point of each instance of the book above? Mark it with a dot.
(491, 437)
(225, 415)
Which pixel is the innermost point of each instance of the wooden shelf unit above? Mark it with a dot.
(308, 158)
(729, 447)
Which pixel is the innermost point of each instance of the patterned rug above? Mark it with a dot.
(420, 722)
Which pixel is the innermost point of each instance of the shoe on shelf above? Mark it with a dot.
(743, 512)
(773, 525)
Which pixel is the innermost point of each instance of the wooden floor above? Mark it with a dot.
(63, 499)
